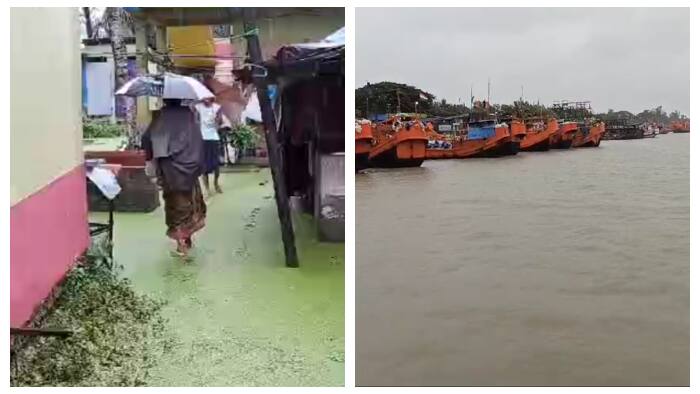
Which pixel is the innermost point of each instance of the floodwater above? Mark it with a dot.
(547, 268)
(236, 315)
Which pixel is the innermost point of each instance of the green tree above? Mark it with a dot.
(389, 97)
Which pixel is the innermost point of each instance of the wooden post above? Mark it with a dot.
(161, 47)
(46, 332)
(273, 144)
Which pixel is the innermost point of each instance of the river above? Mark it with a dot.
(567, 267)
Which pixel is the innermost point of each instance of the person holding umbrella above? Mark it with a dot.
(174, 149)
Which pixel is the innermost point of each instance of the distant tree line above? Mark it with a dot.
(388, 97)
(656, 115)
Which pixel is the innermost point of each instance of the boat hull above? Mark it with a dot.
(507, 148)
(538, 139)
(564, 136)
(561, 144)
(540, 146)
(590, 139)
(398, 144)
(630, 132)
(361, 161)
(500, 144)
(393, 158)
(362, 149)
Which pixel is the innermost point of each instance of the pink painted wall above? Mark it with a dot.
(48, 231)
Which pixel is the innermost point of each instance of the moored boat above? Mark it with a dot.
(622, 129)
(481, 139)
(564, 136)
(517, 130)
(539, 134)
(649, 130)
(681, 126)
(500, 139)
(439, 145)
(363, 143)
(400, 141)
(589, 134)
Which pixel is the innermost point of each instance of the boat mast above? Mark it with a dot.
(488, 94)
(488, 102)
(367, 100)
(398, 102)
(471, 102)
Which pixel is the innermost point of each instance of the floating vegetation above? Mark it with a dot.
(251, 221)
(242, 253)
(337, 356)
(117, 334)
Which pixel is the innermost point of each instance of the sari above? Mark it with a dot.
(173, 142)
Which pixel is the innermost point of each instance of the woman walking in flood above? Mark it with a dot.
(173, 145)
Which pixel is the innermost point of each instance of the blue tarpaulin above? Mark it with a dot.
(478, 133)
(378, 117)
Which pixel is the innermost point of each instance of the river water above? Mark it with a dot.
(547, 268)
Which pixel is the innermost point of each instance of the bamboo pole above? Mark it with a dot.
(271, 138)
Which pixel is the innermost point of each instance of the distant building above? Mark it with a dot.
(98, 77)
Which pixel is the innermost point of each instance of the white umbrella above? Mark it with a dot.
(168, 86)
(185, 88)
(142, 86)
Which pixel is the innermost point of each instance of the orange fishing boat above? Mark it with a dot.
(482, 139)
(564, 136)
(539, 134)
(517, 131)
(439, 146)
(363, 143)
(400, 141)
(588, 134)
(681, 126)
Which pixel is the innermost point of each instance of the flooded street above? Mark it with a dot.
(236, 315)
(567, 267)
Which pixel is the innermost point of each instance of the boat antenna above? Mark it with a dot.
(398, 102)
(488, 95)
(471, 97)
(369, 91)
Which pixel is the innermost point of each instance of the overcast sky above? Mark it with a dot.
(632, 59)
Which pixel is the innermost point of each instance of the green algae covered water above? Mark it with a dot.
(546, 268)
(236, 314)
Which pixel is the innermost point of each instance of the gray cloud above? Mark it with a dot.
(620, 58)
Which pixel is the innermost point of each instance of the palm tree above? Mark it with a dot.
(116, 24)
(119, 25)
(87, 19)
